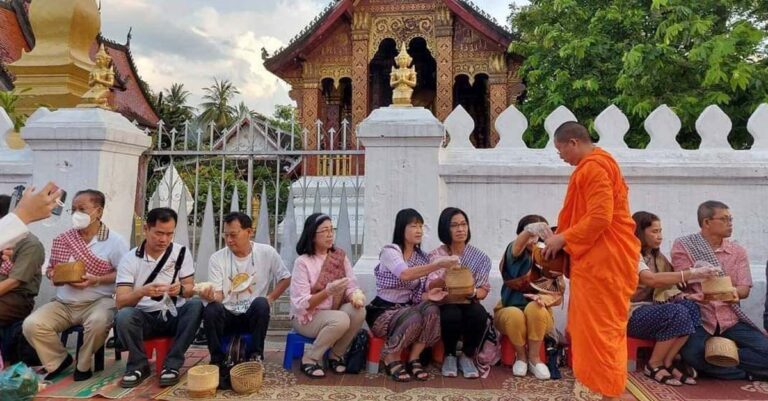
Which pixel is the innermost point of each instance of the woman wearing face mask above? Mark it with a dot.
(88, 303)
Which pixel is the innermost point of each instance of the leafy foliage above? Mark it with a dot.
(217, 105)
(640, 54)
(8, 101)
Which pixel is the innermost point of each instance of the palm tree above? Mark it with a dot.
(216, 106)
(244, 111)
(173, 107)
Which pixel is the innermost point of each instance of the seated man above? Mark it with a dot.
(88, 303)
(151, 279)
(20, 275)
(711, 245)
(241, 275)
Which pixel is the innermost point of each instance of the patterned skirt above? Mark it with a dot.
(662, 322)
(405, 325)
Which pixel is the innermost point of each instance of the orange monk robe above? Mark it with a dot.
(600, 239)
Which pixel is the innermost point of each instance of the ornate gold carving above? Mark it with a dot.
(361, 21)
(102, 78)
(497, 63)
(336, 73)
(337, 48)
(359, 84)
(444, 98)
(401, 28)
(498, 101)
(403, 79)
(443, 16)
(469, 43)
(310, 114)
(471, 69)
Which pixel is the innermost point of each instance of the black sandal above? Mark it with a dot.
(134, 378)
(664, 379)
(396, 372)
(335, 364)
(416, 369)
(309, 369)
(172, 377)
(684, 378)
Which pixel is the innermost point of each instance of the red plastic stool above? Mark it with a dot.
(375, 345)
(508, 352)
(633, 345)
(160, 346)
(438, 352)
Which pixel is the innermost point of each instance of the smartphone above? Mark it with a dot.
(60, 208)
(18, 191)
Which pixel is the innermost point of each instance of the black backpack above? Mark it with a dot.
(356, 357)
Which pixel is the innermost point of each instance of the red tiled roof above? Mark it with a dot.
(129, 98)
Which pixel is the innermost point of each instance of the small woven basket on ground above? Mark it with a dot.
(720, 351)
(202, 381)
(247, 377)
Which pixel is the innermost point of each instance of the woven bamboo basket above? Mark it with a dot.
(202, 381)
(718, 289)
(720, 351)
(247, 377)
(460, 284)
(68, 273)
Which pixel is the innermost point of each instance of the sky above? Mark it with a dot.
(193, 41)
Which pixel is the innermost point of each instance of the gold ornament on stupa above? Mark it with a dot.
(402, 79)
(101, 78)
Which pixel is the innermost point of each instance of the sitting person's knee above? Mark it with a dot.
(127, 316)
(213, 310)
(261, 306)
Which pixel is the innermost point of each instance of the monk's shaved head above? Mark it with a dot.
(572, 130)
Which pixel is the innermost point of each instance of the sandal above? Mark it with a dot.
(338, 366)
(310, 369)
(416, 369)
(667, 378)
(169, 377)
(396, 372)
(681, 375)
(134, 378)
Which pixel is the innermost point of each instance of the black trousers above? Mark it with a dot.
(465, 321)
(220, 322)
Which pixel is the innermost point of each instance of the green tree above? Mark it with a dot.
(217, 105)
(283, 119)
(175, 112)
(8, 101)
(640, 54)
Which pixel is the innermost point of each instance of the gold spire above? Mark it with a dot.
(403, 79)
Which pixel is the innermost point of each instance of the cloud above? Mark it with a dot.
(193, 41)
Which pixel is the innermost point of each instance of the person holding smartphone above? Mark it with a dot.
(32, 207)
(89, 302)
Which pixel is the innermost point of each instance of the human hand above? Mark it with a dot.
(174, 289)
(445, 262)
(337, 287)
(154, 289)
(553, 245)
(6, 254)
(704, 272)
(37, 206)
(481, 293)
(357, 298)
(436, 294)
(207, 293)
(536, 298)
(540, 229)
(89, 280)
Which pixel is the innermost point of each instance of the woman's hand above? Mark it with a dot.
(357, 299)
(337, 287)
(445, 262)
(436, 294)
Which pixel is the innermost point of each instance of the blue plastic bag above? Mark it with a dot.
(18, 382)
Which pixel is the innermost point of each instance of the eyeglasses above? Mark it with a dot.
(724, 219)
(457, 225)
(326, 231)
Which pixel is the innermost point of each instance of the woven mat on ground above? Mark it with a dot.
(646, 389)
(107, 382)
(280, 384)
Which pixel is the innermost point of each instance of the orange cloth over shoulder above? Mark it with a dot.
(600, 239)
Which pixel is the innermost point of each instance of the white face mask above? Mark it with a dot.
(80, 220)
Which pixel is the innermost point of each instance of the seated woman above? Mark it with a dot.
(465, 319)
(524, 313)
(326, 303)
(398, 313)
(659, 311)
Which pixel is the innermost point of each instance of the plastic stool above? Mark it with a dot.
(98, 356)
(438, 352)
(508, 352)
(633, 345)
(160, 346)
(294, 348)
(375, 345)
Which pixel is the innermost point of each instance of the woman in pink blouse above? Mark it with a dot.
(326, 303)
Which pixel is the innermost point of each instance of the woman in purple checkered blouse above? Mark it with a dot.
(398, 313)
(461, 320)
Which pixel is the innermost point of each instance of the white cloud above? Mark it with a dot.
(193, 41)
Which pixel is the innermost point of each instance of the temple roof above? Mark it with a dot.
(130, 96)
(308, 37)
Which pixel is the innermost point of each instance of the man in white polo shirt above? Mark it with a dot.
(149, 278)
(241, 275)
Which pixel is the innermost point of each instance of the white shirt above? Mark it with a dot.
(112, 250)
(133, 271)
(12, 230)
(263, 265)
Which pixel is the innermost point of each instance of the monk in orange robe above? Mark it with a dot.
(596, 229)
